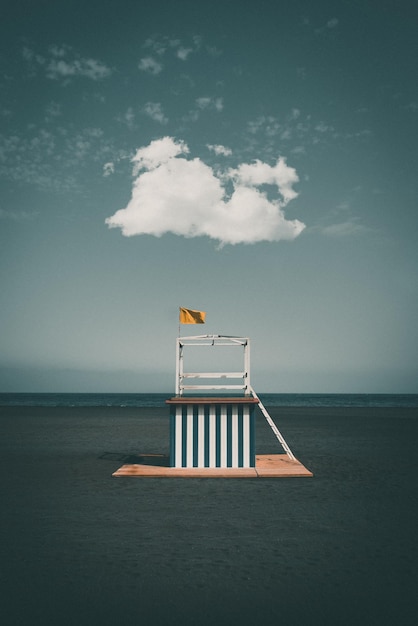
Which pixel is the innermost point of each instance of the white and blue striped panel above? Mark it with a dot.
(212, 435)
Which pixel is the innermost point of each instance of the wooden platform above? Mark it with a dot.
(266, 466)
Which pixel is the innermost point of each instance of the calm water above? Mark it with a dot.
(158, 399)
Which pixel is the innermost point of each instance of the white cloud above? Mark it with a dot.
(108, 169)
(183, 53)
(163, 46)
(154, 111)
(218, 149)
(150, 65)
(330, 25)
(298, 150)
(344, 229)
(206, 102)
(89, 68)
(31, 57)
(54, 158)
(219, 104)
(57, 51)
(268, 125)
(157, 46)
(65, 63)
(184, 196)
(321, 127)
(128, 118)
(297, 129)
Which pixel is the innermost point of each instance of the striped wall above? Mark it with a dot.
(212, 435)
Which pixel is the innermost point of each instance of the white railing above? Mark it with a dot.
(212, 340)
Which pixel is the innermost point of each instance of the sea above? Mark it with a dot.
(144, 400)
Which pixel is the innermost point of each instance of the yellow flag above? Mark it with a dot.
(188, 316)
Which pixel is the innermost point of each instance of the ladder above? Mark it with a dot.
(273, 426)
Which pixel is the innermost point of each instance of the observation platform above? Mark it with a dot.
(214, 436)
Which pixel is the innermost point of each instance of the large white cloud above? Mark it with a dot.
(172, 193)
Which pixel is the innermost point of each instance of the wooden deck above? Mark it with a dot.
(266, 466)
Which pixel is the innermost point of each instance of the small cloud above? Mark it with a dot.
(297, 150)
(210, 103)
(218, 149)
(183, 53)
(343, 206)
(17, 216)
(161, 46)
(61, 69)
(344, 229)
(203, 103)
(174, 194)
(267, 125)
(108, 169)
(174, 43)
(150, 65)
(27, 54)
(332, 23)
(128, 118)
(364, 133)
(65, 63)
(52, 158)
(58, 51)
(53, 110)
(156, 45)
(30, 56)
(321, 127)
(155, 112)
(213, 51)
(89, 68)
(254, 126)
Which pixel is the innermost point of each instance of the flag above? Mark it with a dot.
(188, 316)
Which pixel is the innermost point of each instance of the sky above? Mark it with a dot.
(254, 160)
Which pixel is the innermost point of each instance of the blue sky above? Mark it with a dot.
(253, 160)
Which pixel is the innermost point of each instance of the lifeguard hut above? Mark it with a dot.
(212, 430)
(212, 422)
